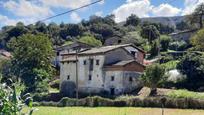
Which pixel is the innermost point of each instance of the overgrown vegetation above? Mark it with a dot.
(153, 75)
(192, 66)
(185, 94)
(31, 62)
(11, 100)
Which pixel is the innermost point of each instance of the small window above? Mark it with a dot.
(133, 52)
(112, 78)
(58, 53)
(68, 77)
(119, 41)
(130, 79)
(97, 62)
(91, 65)
(84, 62)
(90, 77)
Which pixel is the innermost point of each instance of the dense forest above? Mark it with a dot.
(99, 28)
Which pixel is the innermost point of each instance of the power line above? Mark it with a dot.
(170, 1)
(71, 10)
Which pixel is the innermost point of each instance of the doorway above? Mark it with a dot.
(112, 91)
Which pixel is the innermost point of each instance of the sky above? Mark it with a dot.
(31, 11)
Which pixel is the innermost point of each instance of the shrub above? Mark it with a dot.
(178, 46)
(185, 94)
(55, 84)
(67, 88)
(37, 97)
(164, 41)
(96, 101)
(11, 102)
(166, 58)
(170, 65)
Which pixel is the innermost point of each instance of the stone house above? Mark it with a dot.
(111, 69)
(183, 35)
(69, 48)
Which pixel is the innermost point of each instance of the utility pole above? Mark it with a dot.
(77, 88)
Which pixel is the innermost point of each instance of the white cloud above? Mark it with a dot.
(75, 17)
(190, 6)
(25, 8)
(102, 2)
(141, 8)
(4, 20)
(65, 3)
(165, 10)
(99, 13)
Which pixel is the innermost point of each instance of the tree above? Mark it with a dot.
(75, 29)
(150, 32)
(90, 40)
(32, 54)
(183, 25)
(41, 27)
(154, 51)
(153, 76)
(197, 16)
(162, 28)
(164, 41)
(132, 20)
(198, 40)
(192, 65)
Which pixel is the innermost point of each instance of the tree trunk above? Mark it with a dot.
(201, 21)
(153, 92)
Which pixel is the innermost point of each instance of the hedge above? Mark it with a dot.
(183, 103)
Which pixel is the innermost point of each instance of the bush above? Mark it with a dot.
(37, 97)
(185, 94)
(168, 102)
(67, 88)
(164, 41)
(166, 58)
(178, 45)
(170, 65)
(55, 84)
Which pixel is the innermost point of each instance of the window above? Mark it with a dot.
(112, 78)
(91, 65)
(97, 62)
(58, 53)
(84, 62)
(133, 53)
(119, 41)
(130, 79)
(68, 77)
(90, 77)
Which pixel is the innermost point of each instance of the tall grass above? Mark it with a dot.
(185, 94)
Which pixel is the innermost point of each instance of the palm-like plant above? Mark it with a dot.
(153, 75)
(11, 103)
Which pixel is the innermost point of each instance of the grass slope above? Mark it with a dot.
(113, 111)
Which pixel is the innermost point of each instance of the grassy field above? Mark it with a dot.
(113, 111)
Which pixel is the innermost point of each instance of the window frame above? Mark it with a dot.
(130, 79)
(97, 62)
(112, 78)
(90, 77)
(68, 77)
(84, 62)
